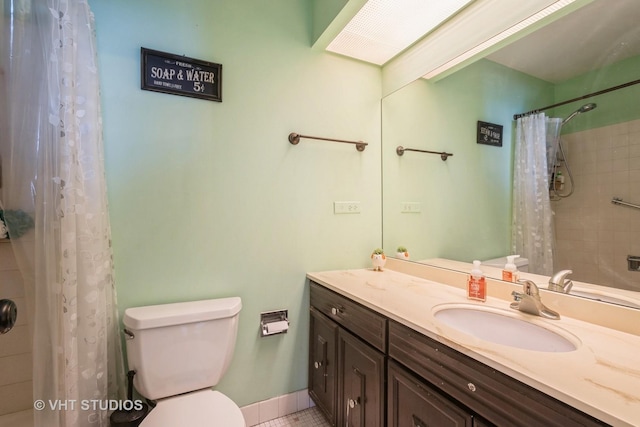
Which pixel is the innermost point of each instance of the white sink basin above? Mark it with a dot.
(505, 328)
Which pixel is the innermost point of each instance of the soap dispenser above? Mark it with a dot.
(476, 285)
(510, 272)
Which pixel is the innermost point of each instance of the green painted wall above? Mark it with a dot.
(466, 201)
(209, 199)
(613, 107)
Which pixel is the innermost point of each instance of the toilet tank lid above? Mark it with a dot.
(500, 262)
(156, 316)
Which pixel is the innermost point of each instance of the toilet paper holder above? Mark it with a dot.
(274, 322)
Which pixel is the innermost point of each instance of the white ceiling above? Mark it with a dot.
(598, 34)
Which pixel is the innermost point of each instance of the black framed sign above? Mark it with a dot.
(489, 134)
(180, 75)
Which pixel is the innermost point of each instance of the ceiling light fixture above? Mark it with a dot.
(384, 28)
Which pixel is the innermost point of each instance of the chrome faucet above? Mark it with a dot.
(529, 301)
(559, 282)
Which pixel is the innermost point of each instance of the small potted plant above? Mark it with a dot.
(402, 253)
(378, 259)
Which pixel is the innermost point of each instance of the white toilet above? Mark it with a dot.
(179, 351)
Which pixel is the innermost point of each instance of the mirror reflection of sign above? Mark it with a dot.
(179, 75)
(489, 134)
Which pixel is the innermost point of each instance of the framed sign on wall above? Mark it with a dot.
(180, 75)
(489, 134)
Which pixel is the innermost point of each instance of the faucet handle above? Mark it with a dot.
(560, 283)
(529, 287)
(568, 284)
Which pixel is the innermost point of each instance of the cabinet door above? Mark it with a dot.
(361, 383)
(322, 363)
(412, 403)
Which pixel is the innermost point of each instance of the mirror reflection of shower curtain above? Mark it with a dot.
(532, 233)
(52, 153)
(553, 126)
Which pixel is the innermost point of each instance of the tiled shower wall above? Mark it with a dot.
(15, 346)
(594, 236)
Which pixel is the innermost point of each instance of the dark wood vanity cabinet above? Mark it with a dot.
(347, 347)
(361, 370)
(414, 403)
(367, 371)
(322, 363)
(493, 397)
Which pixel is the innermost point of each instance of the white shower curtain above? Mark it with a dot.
(532, 217)
(52, 153)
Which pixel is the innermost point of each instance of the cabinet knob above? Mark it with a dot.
(350, 405)
(337, 310)
(317, 364)
(471, 386)
(417, 422)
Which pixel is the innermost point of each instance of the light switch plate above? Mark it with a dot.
(346, 207)
(411, 207)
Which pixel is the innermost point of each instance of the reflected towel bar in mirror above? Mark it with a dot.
(400, 151)
(619, 201)
(294, 138)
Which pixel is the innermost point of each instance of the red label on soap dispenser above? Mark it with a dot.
(510, 276)
(477, 288)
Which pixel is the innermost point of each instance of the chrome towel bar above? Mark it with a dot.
(400, 151)
(619, 201)
(294, 139)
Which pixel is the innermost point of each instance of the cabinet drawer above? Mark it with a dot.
(361, 321)
(493, 395)
(414, 403)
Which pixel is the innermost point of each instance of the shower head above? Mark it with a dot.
(585, 108)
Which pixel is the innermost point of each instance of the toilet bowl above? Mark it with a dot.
(179, 352)
(199, 408)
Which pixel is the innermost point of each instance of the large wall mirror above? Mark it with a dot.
(461, 208)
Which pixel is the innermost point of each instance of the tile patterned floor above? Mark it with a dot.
(308, 418)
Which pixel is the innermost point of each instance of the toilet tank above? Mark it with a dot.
(180, 347)
(521, 263)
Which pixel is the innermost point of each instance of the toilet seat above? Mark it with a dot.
(203, 408)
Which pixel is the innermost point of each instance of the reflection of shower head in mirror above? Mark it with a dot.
(585, 108)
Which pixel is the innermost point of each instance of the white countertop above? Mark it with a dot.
(601, 377)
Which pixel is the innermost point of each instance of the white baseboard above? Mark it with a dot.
(276, 407)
